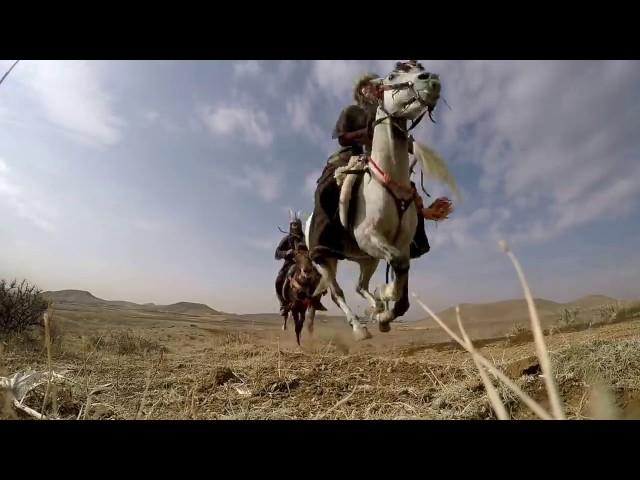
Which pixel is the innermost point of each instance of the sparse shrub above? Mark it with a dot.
(235, 339)
(517, 330)
(608, 313)
(127, 343)
(568, 317)
(21, 306)
(628, 313)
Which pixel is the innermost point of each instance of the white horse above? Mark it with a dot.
(385, 219)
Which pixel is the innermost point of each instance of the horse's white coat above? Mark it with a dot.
(378, 229)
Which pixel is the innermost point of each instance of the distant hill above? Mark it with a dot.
(188, 308)
(74, 296)
(591, 301)
(82, 297)
(509, 312)
(506, 310)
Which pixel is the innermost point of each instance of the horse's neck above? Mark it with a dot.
(389, 149)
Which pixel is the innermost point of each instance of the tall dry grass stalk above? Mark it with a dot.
(526, 399)
(492, 393)
(541, 350)
(47, 317)
(538, 337)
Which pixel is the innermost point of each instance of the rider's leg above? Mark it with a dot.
(420, 243)
(279, 284)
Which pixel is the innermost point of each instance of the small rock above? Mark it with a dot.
(222, 375)
(98, 411)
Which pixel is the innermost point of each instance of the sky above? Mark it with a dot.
(165, 181)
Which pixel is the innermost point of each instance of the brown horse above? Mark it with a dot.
(302, 280)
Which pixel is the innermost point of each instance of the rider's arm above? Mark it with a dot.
(283, 249)
(348, 138)
(352, 126)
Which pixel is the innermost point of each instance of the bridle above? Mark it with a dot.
(402, 195)
(396, 87)
(301, 287)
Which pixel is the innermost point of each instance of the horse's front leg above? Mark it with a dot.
(284, 324)
(328, 269)
(396, 291)
(367, 269)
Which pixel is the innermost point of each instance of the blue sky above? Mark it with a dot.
(165, 181)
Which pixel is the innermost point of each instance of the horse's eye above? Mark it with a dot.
(391, 76)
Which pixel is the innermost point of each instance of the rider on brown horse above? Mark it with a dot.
(301, 282)
(354, 131)
(286, 251)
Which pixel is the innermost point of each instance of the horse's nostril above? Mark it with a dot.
(423, 76)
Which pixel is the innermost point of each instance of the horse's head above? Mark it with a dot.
(409, 91)
(303, 263)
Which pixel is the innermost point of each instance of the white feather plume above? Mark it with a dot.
(435, 168)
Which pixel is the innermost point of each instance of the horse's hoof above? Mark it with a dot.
(384, 327)
(361, 333)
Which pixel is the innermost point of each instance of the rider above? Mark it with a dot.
(354, 131)
(286, 251)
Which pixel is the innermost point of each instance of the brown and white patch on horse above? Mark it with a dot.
(298, 291)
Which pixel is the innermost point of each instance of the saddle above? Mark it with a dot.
(347, 178)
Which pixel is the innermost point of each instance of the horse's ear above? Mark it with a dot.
(291, 216)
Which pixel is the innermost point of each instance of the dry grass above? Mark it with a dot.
(234, 379)
(126, 343)
(130, 374)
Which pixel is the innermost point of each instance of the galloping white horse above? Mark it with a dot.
(385, 219)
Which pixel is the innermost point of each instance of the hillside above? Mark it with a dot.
(591, 301)
(74, 296)
(82, 297)
(187, 307)
(510, 312)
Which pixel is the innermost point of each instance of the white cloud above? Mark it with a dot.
(336, 77)
(154, 119)
(252, 123)
(74, 99)
(148, 224)
(249, 68)
(310, 181)
(299, 109)
(553, 139)
(265, 184)
(151, 116)
(20, 201)
(263, 244)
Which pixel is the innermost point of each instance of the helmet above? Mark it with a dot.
(295, 224)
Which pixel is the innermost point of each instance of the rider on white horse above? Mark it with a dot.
(354, 131)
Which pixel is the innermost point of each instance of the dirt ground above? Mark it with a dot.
(127, 364)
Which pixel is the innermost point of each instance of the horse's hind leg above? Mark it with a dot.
(298, 320)
(311, 316)
(367, 269)
(328, 269)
